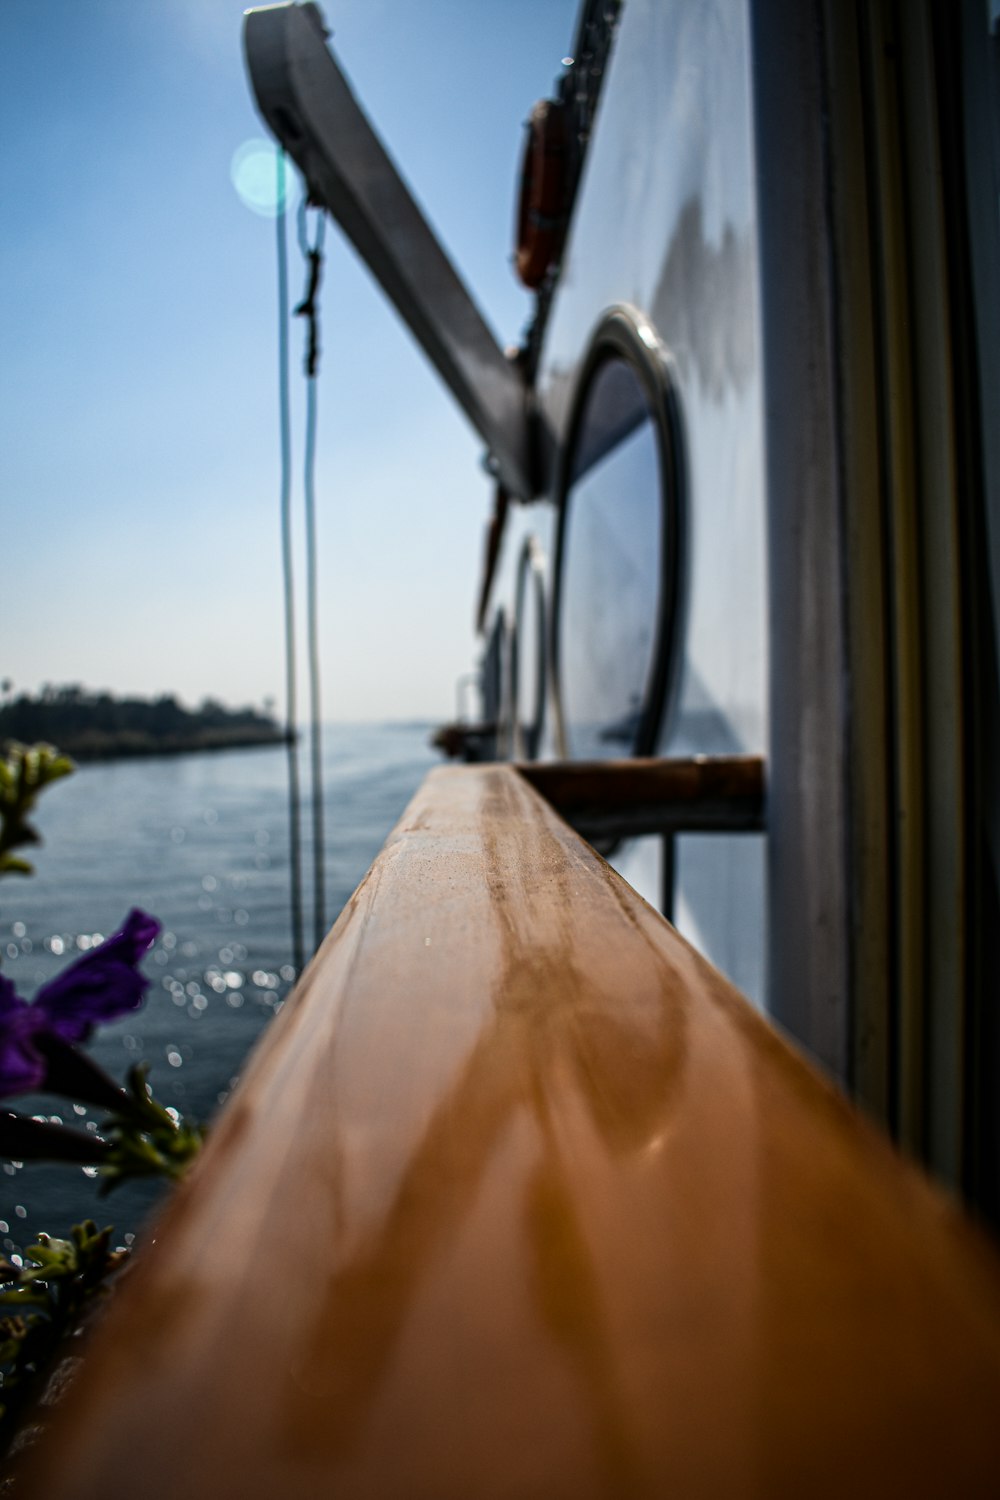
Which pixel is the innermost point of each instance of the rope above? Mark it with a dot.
(284, 406)
(309, 309)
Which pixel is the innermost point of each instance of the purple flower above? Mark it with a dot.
(101, 985)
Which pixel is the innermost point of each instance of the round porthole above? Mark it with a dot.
(618, 552)
(528, 653)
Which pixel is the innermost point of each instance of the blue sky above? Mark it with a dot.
(138, 420)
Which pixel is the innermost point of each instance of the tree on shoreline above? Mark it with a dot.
(97, 725)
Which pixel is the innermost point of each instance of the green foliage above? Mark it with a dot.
(141, 1137)
(42, 1302)
(146, 1139)
(45, 1300)
(25, 770)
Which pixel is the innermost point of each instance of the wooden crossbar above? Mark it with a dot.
(519, 1197)
(626, 798)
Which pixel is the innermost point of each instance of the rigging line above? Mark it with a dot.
(309, 309)
(284, 404)
(315, 725)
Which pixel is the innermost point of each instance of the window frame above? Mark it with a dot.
(623, 334)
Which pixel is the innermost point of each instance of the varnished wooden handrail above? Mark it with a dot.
(519, 1197)
(627, 798)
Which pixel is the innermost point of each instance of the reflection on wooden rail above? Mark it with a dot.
(519, 1197)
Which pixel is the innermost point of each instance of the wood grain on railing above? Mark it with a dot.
(519, 1197)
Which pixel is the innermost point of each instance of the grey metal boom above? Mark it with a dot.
(307, 104)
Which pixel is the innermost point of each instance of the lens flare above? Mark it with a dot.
(254, 173)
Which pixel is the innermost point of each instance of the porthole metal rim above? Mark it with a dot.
(624, 333)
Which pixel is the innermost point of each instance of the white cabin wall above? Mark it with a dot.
(665, 222)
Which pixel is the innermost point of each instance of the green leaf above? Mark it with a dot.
(53, 1259)
(24, 771)
(57, 767)
(11, 865)
(24, 1296)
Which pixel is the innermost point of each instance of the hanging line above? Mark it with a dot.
(308, 308)
(291, 728)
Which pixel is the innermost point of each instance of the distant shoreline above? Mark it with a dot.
(91, 726)
(128, 748)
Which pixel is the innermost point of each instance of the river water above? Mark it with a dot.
(201, 842)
